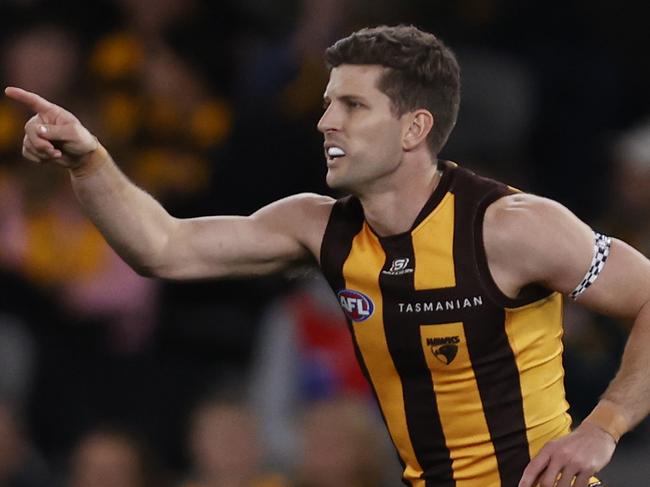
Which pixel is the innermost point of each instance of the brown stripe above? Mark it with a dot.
(492, 358)
(497, 378)
(346, 221)
(361, 272)
(404, 343)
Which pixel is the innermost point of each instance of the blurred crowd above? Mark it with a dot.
(108, 379)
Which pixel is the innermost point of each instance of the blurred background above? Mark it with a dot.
(108, 379)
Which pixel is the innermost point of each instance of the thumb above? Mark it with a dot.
(61, 132)
(73, 138)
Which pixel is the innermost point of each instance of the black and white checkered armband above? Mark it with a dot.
(602, 244)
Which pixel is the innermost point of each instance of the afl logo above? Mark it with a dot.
(357, 306)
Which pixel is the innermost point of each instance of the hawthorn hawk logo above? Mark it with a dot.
(444, 348)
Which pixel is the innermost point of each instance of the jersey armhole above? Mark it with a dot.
(528, 294)
(345, 221)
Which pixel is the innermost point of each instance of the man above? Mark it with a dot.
(450, 281)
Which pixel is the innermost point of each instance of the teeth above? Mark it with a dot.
(335, 152)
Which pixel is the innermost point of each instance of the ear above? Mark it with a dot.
(418, 124)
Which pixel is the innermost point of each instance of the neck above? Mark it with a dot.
(392, 208)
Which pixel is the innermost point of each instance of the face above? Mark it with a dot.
(104, 461)
(329, 449)
(363, 138)
(224, 441)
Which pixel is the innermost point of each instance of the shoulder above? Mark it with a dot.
(529, 238)
(303, 205)
(302, 216)
(515, 212)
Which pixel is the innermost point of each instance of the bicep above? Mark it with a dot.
(231, 246)
(619, 286)
(270, 240)
(540, 241)
(623, 285)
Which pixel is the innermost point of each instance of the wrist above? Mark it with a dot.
(609, 417)
(90, 162)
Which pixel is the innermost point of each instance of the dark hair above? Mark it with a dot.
(422, 72)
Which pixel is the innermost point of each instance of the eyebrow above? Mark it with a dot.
(346, 98)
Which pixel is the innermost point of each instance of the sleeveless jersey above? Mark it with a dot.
(469, 381)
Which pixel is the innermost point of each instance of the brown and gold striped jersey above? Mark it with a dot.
(469, 381)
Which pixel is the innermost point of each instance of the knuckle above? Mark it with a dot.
(575, 464)
(551, 447)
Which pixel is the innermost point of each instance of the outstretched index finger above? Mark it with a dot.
(31, 100)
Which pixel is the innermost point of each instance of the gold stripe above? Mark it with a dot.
(434, 254)
(460, 408)
(535, 335)
(361, 273)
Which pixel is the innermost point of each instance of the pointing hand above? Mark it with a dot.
(52, 134)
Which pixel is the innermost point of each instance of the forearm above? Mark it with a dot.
(133, 222)
(629, 393)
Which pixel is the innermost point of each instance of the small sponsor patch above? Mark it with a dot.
(357, 306)
(399, 267)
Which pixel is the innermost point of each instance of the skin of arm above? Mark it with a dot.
(145, 235)
(529, 239)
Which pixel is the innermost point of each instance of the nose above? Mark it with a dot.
(330, 120)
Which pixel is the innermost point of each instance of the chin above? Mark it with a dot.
(337, 183)
(331, 180)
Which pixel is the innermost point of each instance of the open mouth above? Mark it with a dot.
(335, 152)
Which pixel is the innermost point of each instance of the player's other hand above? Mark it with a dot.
(578, 456)
(52, 135)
